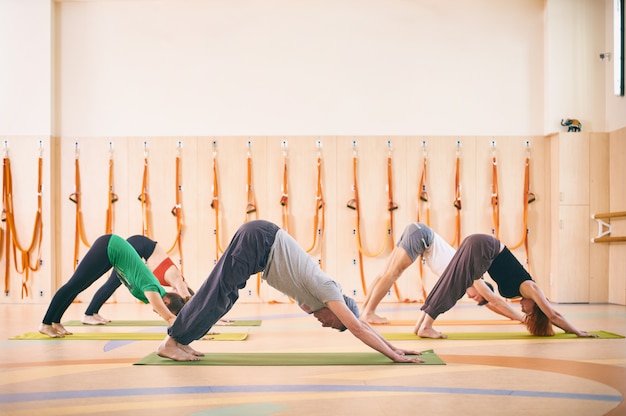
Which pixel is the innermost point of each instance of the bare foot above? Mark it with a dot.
(169, 348)
(49, 331)
(372, 318)
(102, 318)
(419, 322)
(92, 320)
(60, 329)
(190, 350)
(430, 333)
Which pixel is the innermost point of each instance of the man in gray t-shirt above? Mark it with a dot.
(261, 246)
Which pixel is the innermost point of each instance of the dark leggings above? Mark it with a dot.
(144, 247)
(91, 267)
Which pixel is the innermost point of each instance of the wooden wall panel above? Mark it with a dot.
(340, 251)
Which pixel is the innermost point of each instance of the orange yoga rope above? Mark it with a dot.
(251, 203)
(495, 207)
(76, 198)
(354, 204)
(319, 219)
(528, 198)
(112, 198)
(392, 206)
(215, 204)
(25, 265)
(423, 199)
(284, 199)
(457, 199)
(144, 196)
(177, 210)
(250, 196)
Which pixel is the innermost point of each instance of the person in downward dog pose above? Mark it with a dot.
(480, 254)
(257, 246)
(419, 239)
(157, 260)
(110, 251)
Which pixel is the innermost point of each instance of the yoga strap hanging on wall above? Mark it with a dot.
(76, 197)
(215, 204)
(528, 198)
(177, 210)
(251, 207)
(319, 218)
(391, 207)
(495, 207)
(112, 197)
(144, 196)
(354, 204)
(12, 242)
(284, 198)
(457, 198)
(251, 202)
(423, 204)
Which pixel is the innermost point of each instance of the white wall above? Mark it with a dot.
(192, 67)
(238, 67)
(615, 106)
(25, 69)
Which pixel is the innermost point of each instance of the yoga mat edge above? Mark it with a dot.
(288, 359)
(403, 336)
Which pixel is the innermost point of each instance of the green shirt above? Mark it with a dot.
(131, 270)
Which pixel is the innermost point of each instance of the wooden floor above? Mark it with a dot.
(488, 377)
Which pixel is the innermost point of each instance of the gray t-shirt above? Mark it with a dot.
(293, 272)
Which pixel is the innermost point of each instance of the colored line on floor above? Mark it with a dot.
(84, 394)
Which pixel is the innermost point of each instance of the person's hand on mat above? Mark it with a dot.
(409, 354)
(585, 334)
(407, 357)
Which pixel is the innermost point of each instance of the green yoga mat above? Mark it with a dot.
(240, 322)
(289, 359)
(126, 336)
(403, 336)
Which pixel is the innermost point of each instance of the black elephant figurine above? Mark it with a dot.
(571, 124)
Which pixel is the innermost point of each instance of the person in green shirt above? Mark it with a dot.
(111, 251)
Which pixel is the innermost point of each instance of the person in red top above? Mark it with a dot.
(158, 262)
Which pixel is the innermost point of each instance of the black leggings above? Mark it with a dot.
(144, 247)
(91, 267)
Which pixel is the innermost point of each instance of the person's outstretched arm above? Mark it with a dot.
(369, 336)
(530, 290)
(496, 303)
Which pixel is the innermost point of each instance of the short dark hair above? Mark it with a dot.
(176, 302)
(485, 301)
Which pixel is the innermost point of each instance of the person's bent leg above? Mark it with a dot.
(398, 262)
(99, 298)
(94, 264)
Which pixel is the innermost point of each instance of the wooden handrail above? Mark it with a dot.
(610, 215)
(604, 228)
